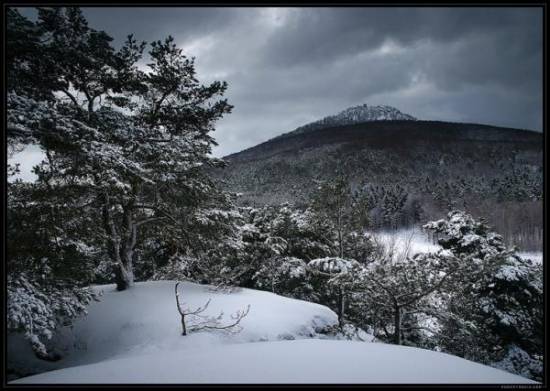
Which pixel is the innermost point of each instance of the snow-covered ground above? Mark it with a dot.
(414, 240)
(534, 256)
(135, 337)
(405, 242)
(145, 319)
(302, 361)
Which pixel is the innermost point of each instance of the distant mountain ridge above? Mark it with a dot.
(355, 115)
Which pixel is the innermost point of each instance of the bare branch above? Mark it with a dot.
(71, 97)
(430, 290)
(212, 323)
(198, 310)
(148, 220)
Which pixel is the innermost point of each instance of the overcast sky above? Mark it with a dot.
(289, 66)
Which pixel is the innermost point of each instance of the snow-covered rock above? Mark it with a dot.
(356, 115)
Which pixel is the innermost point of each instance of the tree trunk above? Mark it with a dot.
(181, 312)
(341, 310)
(339, 224)
(341, 245)
(397, 325)
(124, 274)
(183, 328)
(121, 250)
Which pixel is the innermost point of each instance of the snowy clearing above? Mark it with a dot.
(134, 337)
(533, 256)
(413, 240)
(405, 242)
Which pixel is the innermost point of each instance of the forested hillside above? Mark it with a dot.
(410, 171)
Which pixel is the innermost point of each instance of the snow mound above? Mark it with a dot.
(145, 320)
(303, 361)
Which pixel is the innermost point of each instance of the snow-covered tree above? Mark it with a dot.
(306, 235)
(284, 275)
(494, 301)
(205, 251)
(38, 304)
(361, 246)
(136, 142)
(398, 292)
(333, 278)
(48, 264)
(271, 244)
(333, 201)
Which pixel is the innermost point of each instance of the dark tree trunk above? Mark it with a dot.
(124, 275)
(183, 328)
(340, 244)
(397, 325)
(121, 249)
(341, 306)
(181, 312)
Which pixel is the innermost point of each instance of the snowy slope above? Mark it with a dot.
(134, 336)
(303, 361)
(145, 320)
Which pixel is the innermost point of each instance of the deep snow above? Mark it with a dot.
(302, 361)
(135, 337)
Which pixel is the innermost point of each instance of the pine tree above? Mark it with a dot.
(345, 210)
(334, 279)
(397, 293)
(139, 166)
(494, 300)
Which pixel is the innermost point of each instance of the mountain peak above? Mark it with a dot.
(358, 114)
(364, 113)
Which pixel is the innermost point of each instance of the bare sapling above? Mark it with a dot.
(208, 322)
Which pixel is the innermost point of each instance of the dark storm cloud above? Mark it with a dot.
(288, 66)
(152, 23)
(321, 34)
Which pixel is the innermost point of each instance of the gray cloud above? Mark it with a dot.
(327, 33)
(289, 66)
